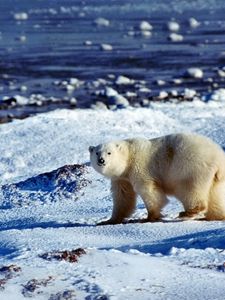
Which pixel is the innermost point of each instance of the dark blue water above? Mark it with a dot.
(55, 50)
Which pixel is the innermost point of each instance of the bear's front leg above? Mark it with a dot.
(124, 201)
(154, 199)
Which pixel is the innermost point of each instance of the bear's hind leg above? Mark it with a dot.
(124, 201)
(194, 198)
(216, 209)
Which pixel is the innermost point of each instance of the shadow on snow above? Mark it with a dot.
(200, 240)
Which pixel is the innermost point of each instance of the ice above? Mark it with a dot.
(189, 93)
(163, 95)
(173, 26)
(194, 73)
(193, 23)
(174, 37)
(21, 16)
(146, 33)
(110, 92)
(218, 95)
(123, 80)
(106, 47)
(145, 26)
(102, 22)
(221, 73)
(21, 100)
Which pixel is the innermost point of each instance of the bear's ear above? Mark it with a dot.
(91, 149)
(119, 146)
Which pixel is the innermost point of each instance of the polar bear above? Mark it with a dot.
(188, 166)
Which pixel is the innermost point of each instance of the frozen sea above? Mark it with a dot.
(45, 44)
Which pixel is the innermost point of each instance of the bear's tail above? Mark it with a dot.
(216, 204)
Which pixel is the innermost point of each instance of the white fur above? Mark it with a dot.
(188, 166)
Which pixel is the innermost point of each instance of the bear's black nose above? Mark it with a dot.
(101, 160)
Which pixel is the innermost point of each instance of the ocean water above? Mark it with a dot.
(50, 47)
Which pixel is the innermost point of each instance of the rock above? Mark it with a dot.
(174, 37)
(10, 269)
(65, 295)
(66, 182)
(173, 26)
(106, 47)
(70, 256)
(194, 73)
(7, 273)
(101, 22)
(32, 285)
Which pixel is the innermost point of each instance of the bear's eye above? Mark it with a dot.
(96, 153)
(109, 153)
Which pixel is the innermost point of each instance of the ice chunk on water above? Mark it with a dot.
(173, 26)
(21, 16)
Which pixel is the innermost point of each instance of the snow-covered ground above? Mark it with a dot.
(45, 212)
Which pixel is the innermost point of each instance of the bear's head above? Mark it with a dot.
(110, 159)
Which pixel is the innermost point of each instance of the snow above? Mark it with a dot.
(172, 259)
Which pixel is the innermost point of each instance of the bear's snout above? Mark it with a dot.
(101, 161)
